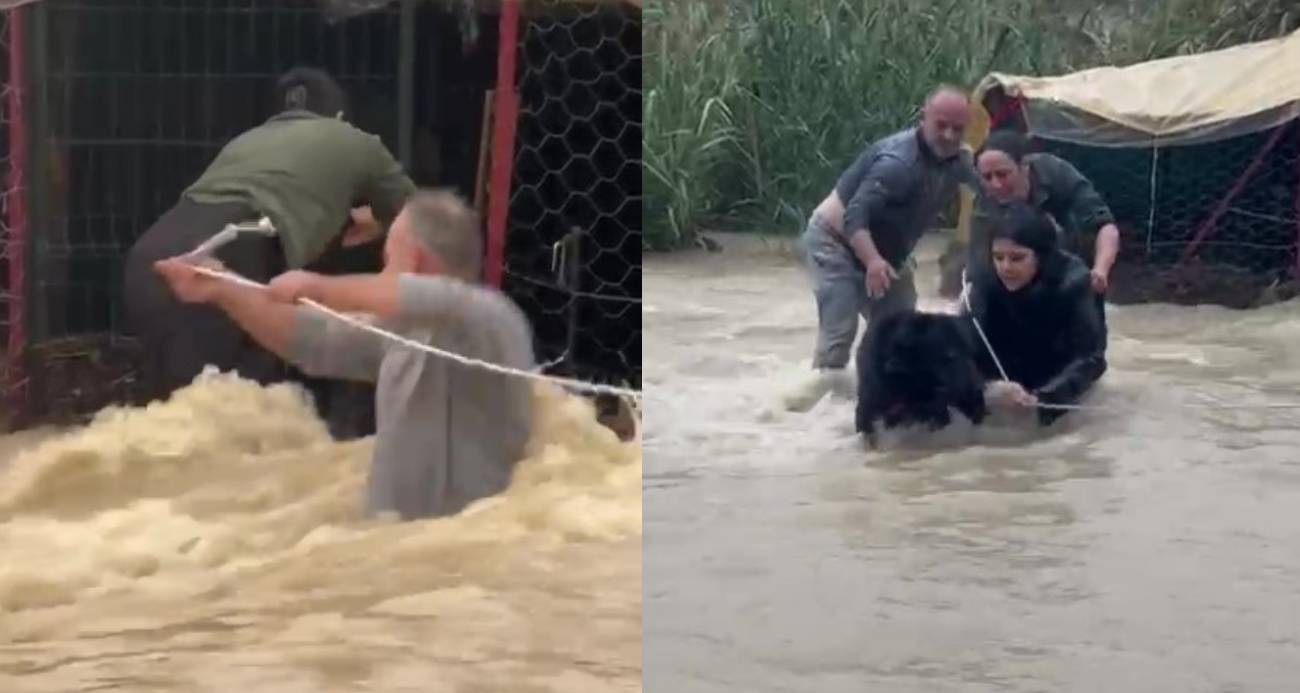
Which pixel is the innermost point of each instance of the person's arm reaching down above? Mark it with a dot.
(1104, 258)
(886, 181)
(1090, 211)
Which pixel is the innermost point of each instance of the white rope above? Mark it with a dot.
(965, 297)
(361, 324)
(1207, 405)
(228, 234)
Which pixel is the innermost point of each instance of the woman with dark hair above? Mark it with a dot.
(311, 89)
(1010, 172)
(1039, 312)
(305, 169)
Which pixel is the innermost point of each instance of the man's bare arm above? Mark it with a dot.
(269, 322)
(376, 294)
(1107, 248)
(888, 178)
(316, 344)
(864, 247)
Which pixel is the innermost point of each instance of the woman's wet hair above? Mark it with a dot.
(310, 89)
(1009, 142)
(1023, 224)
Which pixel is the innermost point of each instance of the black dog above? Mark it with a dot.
(912, 367)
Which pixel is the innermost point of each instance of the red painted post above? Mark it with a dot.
(15, 202)
(506, 113)
(1008, 109)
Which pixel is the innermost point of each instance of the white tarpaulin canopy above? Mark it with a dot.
(1181, 100)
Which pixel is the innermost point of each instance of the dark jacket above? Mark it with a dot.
(1050, 336)
(896, 189)
(1057, 188)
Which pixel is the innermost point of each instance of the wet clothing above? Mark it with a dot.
(306, 172)
(840, 288)
(179, 339)
(1055, 187)
(1050, 335)
(448, 434)
(302, 170)
(896, 189)
(348, 406)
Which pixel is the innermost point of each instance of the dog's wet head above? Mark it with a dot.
(917, 366)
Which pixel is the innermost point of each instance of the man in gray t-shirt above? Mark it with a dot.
(447, 434)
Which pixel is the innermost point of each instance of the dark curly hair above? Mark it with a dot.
(1009, 142)
(311, 89)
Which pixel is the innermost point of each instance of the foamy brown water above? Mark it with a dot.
(215, 542)
(1149, 546)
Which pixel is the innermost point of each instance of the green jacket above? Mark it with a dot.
(305, 172)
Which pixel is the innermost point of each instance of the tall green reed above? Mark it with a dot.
(755, 106)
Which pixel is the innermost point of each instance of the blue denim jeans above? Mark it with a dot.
(839, 285)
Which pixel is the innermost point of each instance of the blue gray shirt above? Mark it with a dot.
(896, 189)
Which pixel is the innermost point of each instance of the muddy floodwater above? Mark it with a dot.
(1152, 545)
(214, 543)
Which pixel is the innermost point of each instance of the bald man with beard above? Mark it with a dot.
(858, 242)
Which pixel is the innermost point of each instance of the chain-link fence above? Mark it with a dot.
(1229, 203)
(573, 249)
(1216, 222)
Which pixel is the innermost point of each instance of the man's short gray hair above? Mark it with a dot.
(946, 88)
(450, 228)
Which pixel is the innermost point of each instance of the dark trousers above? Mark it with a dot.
(179, 339)
(348, 407)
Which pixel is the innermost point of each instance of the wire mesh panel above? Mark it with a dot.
(130, 100)
(141, 96)
(1233, 201)
(1229, 203)
(1123, 178)
(573, 248)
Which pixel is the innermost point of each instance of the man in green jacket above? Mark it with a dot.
(305, 169)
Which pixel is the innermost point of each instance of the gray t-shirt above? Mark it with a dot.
(447, 434)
